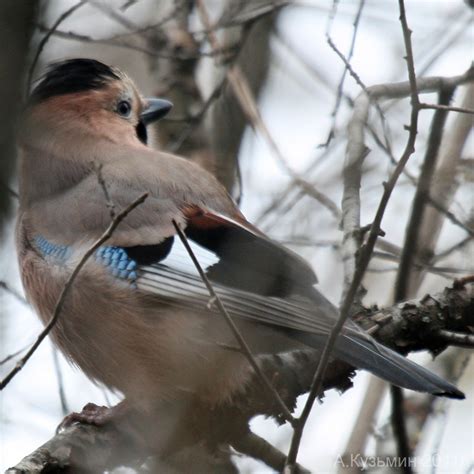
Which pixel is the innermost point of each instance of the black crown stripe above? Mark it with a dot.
(72, 75)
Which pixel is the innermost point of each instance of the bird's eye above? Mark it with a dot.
(124, 108)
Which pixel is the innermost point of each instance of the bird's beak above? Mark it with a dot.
(155, 110)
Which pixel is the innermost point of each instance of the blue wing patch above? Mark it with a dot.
(118, 262)
(115, 259)
(49, 249)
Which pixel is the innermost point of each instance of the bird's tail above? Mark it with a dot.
(366, 353)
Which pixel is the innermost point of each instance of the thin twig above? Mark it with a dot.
(364, 254)
(46, 38)
(448, 108)
(59, 376)
(447, 272)
(14, 354)
(114, 14)
(128, 4)
(117, 42)
(238, 336)
(68, 285)
(340, 86)
(450, 215)
(388, 91)
(398, 418)
(108, 201)
(322, 198)
(289, 197)
(454, 248)
(347, 64)
(434, 202)
(356, 150)
(457, 338)
(155, 27)
(6, 287)
(444, 188)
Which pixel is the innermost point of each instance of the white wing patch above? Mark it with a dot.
(177, 278)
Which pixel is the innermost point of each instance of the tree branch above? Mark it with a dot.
(357, 150)
(408, 326)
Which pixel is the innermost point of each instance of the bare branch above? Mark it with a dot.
(357, 150)
(407, 326)
(456, 338)
(397, 417)
(411, 248)
(114, 14)
(434, 202)
(448, 108)
(66, 449)
(365, 251)
(14, 354)
(256, 447)
(444, 183)
(6, 287)
(340, 86)
(454, 248)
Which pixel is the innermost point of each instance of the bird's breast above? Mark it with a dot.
(139, 344)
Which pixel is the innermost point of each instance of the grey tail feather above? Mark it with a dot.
(389, 365)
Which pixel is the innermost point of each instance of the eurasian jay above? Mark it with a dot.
(137, 318)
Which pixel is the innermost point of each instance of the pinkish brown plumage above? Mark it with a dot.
(137, 318)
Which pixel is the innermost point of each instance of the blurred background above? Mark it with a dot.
(305, 97)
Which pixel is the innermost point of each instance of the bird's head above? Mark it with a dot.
(86, 96)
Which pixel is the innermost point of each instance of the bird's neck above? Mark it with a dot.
(52, 158)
